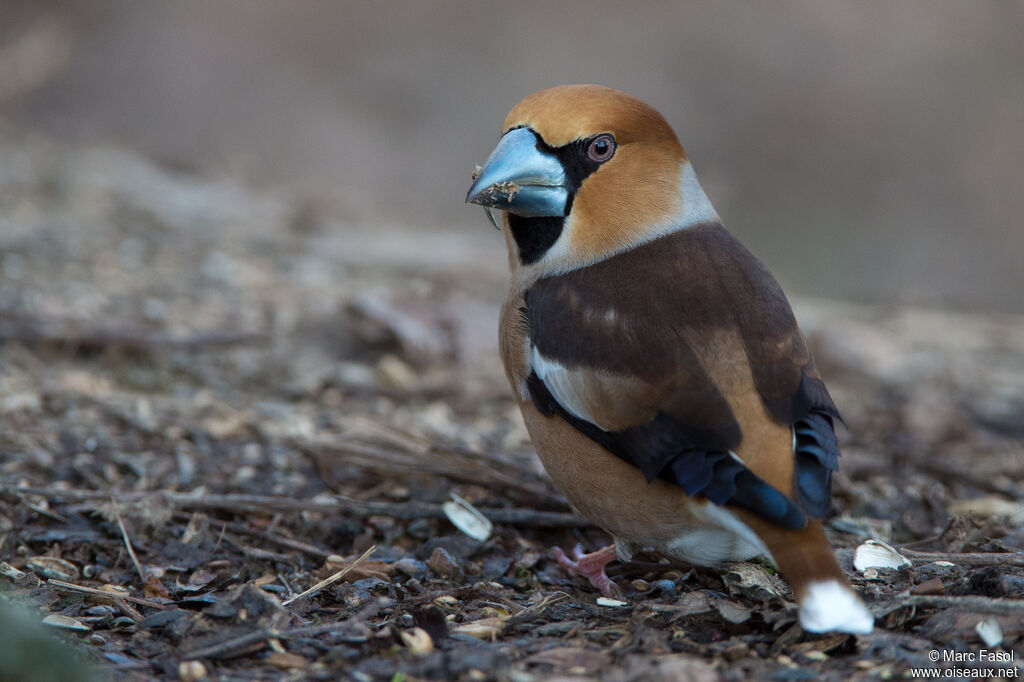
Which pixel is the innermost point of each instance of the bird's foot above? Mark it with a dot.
(591, 566)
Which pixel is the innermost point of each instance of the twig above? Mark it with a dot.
(64, 333)
(332, 579)
(128, 665)
(966, 603)
(538, 608)
(132, 613)
(314, 630)
(231, 646)
(259, 552)
(456, 463)
(41, 511)
(950, 471)
(263, 504)
(72, 587)
(128, 542)
(281, 540)
(967, 558)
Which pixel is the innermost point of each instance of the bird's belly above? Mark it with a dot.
(616, 496)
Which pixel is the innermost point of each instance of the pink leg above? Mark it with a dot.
(590, 566)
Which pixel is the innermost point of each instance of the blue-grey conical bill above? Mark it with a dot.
(520, 178)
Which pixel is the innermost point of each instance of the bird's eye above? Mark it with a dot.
(601, 148)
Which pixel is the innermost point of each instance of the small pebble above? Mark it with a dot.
(640, 585)
(191, 671)
(444, 564)
(929, 587)
(736, 651)
(410, 567)
(666, 588)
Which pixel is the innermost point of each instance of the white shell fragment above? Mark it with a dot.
(417, 641)
(66, 623)
(990, 632)
(466, 518)
(605, 601)
(877, 554)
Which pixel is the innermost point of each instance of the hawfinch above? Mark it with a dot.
(659, 368)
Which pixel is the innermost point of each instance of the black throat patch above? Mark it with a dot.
(534, 236)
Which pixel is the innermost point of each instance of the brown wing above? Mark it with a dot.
(631, 351)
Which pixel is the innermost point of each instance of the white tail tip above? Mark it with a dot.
(831, 607)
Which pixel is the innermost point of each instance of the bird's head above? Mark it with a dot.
(583, 172)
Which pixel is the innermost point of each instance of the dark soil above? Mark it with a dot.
(249, 391)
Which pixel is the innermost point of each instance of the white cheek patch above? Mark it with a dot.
(831, 607)
(559, 382)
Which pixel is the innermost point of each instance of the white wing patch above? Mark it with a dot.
(559, 382)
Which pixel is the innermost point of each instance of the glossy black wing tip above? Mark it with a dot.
(759, 497)
(817, 457)
(725, 480)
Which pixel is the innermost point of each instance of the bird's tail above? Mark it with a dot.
(807, 562)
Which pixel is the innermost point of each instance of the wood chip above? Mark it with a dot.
(932, 586)
(53, 567)
(485, 628)
(11, 572)
(286, 661)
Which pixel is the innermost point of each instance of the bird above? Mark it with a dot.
(660, 371)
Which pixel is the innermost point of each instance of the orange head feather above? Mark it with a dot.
(635, 195)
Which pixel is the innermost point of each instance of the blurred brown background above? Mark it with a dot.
(868, 150)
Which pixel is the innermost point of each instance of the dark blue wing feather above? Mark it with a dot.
(659, 453)
(817, 457)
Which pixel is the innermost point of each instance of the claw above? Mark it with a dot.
(590, 566)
